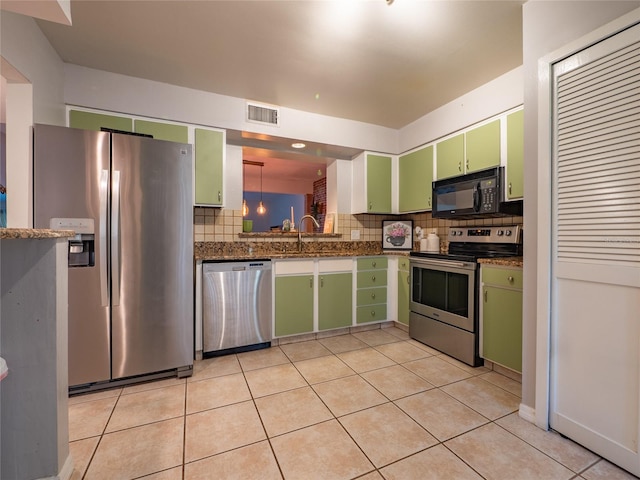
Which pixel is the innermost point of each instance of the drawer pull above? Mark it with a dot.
(510, 278)
(373, 313)
(321, 282)
(374, 264)
(373, 278)
(373, 295)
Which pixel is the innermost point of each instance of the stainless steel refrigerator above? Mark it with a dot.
(129, 199)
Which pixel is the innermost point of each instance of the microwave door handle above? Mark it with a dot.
(476, 197)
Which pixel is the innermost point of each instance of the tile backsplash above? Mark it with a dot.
(224, 225)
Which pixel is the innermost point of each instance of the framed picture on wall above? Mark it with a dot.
(397, 234)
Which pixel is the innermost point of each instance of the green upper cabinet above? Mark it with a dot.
(450, 157)
(483, 147)
(515, 155)
(97, 121)
(378, 183)
(471, 151)
(163, 131)
(371, 187)
(335, 300)
(209, 154)
(414, 180)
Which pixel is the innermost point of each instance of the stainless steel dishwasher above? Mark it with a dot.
(236, 306)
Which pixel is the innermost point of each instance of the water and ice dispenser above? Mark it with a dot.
(81, 251)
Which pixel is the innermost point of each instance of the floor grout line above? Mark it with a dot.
(307, 384)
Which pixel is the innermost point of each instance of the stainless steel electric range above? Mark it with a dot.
(444, 288)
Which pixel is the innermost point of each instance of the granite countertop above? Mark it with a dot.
(287, 250)
(33, 233)
(504, 261)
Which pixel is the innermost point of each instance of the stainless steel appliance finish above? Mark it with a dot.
(475, 195)
(444, 288)
(236, 303)
(131, 312)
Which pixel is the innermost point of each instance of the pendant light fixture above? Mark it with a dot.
(261, 208)
(245, 207)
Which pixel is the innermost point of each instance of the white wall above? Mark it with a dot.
(41, 101)
(493, 98)
(547, 26)
(91, 88)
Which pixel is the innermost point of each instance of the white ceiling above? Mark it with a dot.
(362, 60)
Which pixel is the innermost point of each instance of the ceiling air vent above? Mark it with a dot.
(263, 114)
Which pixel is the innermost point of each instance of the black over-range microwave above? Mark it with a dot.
(473, 195)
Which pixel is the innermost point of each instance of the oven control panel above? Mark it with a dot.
(488, 234)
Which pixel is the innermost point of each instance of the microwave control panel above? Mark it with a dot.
(488, 195)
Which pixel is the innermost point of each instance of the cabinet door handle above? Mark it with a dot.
(510, 278)
(408, 280)
(429, 201)
(467, 164)
(509, 188)
(485, 296)
(459, 166)
(370, 206)
(219, 195)
(311, 282)
(321, 282)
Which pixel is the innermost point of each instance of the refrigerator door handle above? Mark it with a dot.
(115, 237)
(104, 289)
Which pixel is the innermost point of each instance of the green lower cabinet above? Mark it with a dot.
(97, 121)
(371, 296)
(403, 296)
(335, 300)
(293, 305)
(371, 313)
(502, 326)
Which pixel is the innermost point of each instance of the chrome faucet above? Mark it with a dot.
(300, 229)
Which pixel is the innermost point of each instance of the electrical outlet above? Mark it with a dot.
(355, 234)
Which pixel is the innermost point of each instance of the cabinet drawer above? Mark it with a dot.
(403, 264)
(503, 277)
(371, 313)
(373, 278)
(372, 263)
(371, 296)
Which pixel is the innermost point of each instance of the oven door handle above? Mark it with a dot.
(445, 263)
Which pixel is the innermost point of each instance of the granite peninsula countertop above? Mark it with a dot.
(33, 233)
(287, 250)
(503, 262)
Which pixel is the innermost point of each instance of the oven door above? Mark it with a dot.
(444, 290)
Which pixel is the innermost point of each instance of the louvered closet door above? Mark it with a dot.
(595, 344)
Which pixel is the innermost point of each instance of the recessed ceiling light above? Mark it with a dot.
(298, 145)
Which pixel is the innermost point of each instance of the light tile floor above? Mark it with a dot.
(370, 405)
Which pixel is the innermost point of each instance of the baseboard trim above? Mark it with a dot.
(527, 413)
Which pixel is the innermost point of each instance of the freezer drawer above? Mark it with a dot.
(236, 306)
